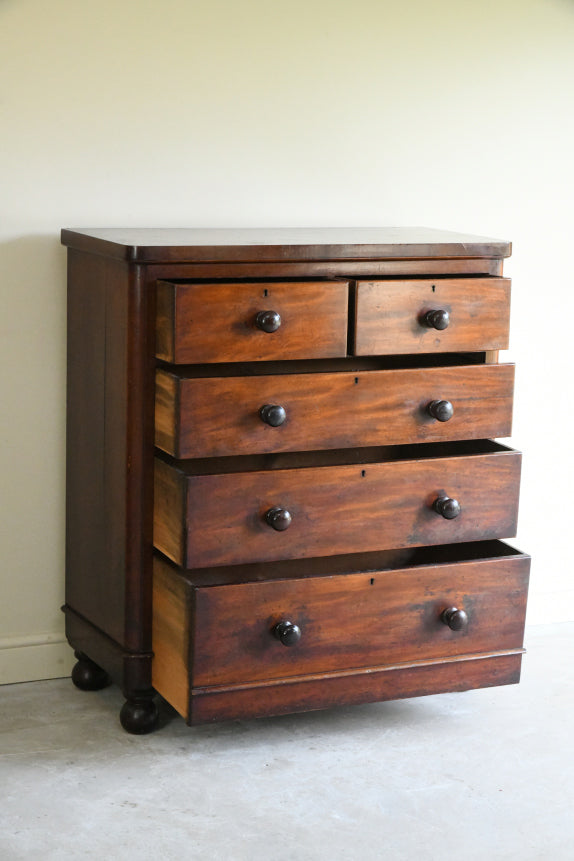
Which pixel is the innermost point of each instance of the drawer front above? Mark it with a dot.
(391, 316)
(207, 520)
(251, 322)
(373, 619)
(230, 415)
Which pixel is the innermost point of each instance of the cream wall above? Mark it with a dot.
(448, 114)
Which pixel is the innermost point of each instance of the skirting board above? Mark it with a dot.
(34, 657)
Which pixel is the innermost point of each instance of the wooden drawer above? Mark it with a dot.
(220, 322)
(387, 616)
(391, 317)
(214, 416)
(203, 517)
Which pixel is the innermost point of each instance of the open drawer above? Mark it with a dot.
(260, 639)
(227, 511)
(213, 415)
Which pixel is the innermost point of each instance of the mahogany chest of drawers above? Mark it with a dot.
(283, 489)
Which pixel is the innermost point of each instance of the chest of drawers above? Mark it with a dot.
(283, 489)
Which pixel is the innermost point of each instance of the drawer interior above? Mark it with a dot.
(382, 560)
(324, 366)
(338, 457)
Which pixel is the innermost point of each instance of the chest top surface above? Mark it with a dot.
(179, 245)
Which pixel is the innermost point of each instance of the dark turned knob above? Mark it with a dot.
(268, 321)
(456, 619)
(442, 411)
(278, 519)
(436, 319)
(287, 633)
(272, 414)
(447, 507)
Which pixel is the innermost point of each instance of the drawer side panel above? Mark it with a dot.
(172, 616)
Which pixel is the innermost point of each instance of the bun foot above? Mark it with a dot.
(139, 716)
(88, 676)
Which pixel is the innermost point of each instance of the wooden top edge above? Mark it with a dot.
(190, 245)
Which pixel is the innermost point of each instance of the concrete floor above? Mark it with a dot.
(472, 776)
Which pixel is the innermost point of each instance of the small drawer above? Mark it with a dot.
(431, 315)
(435, 608)
(215, 416)
(277, 507)
(246, 322)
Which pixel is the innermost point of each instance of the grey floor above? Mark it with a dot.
(473, 776)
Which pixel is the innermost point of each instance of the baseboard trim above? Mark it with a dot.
(34, 657)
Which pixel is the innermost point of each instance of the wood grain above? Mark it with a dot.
(366, 634)
(389, 313)
(326, 269)
(96, 492)
(356, 686)
(172, 603)
(352, 563)
(169, 532)
(220, 416)
(357, 620)
(336, 509)
(358, 496)
(216, 322)
(168, 413)
(109, 474)
(153, 245)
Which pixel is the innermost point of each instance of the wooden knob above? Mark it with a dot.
(438, 319)
(272, 414)
(456, 619)
(287, 633)
(442, 411)
(447, 507)
(278, 519)
(268, 321)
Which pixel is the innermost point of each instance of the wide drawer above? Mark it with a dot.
(434, 608)
(395, 317)
(214, 416)
(283, 509)
(244, 322)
